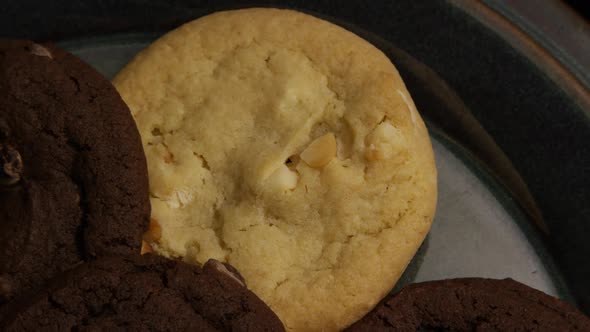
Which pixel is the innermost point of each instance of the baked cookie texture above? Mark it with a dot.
(143, 293)
(290, 148)
(472, 304)
(73, 175)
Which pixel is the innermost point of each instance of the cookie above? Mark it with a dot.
(290, 148)
(73, 178)
(472, 304)
(144, 293)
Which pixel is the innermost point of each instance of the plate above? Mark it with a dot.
(510, 124)
(478, 230)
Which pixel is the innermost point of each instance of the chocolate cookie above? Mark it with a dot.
(472, 304)
(73, 176)
(144, 293)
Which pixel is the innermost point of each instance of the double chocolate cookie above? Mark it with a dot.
(472, 304)
(144, 293)
(73, 176)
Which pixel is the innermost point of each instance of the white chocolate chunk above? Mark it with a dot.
(283, 178)
(410, 105)
(383, 141)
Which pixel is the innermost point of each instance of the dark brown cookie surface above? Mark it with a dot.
(144, 293)
(472, 304)
(73, 176)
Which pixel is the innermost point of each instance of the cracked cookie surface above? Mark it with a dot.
(73, 182)
(472, 304)
(290, 148)
(144, 293)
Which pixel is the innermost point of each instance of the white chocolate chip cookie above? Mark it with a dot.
(290, 148)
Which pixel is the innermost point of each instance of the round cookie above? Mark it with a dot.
(73, 176)
(290, 148)
(472, 304)
(144, 293)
